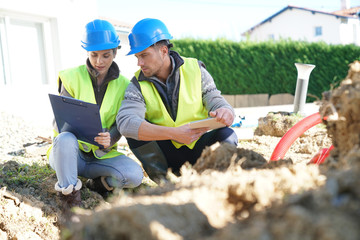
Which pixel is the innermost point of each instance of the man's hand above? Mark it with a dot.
(184, 134)
(223, 115)
(104, 139)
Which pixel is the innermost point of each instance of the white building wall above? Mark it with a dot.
(127, 64)
(62, 24)
(300, 25)
(349, 32)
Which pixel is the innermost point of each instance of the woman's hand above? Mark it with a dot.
(104, 139)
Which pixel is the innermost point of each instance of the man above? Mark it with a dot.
(167, 93)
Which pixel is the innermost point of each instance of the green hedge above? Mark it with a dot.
(269, 67)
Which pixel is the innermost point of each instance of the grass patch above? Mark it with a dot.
(24, 174)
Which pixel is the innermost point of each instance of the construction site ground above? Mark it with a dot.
(230, 193)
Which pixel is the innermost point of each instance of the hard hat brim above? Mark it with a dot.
(155, 40)
(100, 47)
(137, 50)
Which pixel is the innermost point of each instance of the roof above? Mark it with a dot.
(338, 14)
(351, 12)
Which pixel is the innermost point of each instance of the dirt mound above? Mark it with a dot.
(22, 218)
(276, 124)
(221, 156)
(198, 205)
(343, 119)
(226, 185)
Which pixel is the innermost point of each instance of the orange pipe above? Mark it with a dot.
(290, 136)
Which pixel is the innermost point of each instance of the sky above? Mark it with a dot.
(207, 19)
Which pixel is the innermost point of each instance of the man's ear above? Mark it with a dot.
(164, 50)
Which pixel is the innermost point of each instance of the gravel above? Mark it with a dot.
(19, 137)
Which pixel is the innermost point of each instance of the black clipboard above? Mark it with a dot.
(78, 117)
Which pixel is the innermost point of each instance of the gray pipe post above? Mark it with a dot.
(302, 82)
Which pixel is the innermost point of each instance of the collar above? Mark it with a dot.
(177, 59)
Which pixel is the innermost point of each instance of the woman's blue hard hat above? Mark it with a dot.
(100, 35)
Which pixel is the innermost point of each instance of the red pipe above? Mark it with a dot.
(290, 136)
(321, 155)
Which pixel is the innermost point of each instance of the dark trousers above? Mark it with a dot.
(176, 157)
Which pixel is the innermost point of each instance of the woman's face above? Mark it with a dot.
(101, 60)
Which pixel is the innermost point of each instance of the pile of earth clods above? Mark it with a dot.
(233, 193)
(342, 112)
(198, 205)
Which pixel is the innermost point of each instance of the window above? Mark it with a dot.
(22, 51)
(2, 54)
(318, 31)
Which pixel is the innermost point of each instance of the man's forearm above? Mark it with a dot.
(152, 132)
(182, 134)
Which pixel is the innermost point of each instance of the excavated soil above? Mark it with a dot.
(230, 193)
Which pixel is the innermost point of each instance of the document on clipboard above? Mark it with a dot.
(78, 117)
(210, 123)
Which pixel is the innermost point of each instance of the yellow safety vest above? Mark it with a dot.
(78, 83)
(190, 106)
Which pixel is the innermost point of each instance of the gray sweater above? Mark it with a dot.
(133, 107)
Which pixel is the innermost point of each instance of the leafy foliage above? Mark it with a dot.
(269, 67)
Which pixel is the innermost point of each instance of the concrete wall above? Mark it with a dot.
(255, 100)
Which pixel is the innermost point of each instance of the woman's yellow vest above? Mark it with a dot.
(190, 106)
(78, 83)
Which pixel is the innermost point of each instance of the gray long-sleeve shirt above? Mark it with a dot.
(133, 107)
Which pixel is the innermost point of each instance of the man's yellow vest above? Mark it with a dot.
(190, 105)
(78, 83)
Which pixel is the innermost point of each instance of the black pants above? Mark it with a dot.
(176, 157)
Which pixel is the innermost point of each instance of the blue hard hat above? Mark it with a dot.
(100, 35)
(147, 32)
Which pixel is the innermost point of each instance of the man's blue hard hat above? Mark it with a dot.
(145, 33)
(100, 35)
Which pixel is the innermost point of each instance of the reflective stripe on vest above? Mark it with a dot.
(190, 106)
(78, 83)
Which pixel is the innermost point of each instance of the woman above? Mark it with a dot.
(98, 81)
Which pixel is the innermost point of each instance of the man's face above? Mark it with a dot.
(151, 61)
(101, 60)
